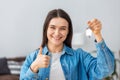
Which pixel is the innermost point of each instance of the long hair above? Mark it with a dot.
(57, 13)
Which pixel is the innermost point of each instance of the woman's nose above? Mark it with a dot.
(57, 32)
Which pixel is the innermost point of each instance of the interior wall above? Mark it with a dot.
(21, 22)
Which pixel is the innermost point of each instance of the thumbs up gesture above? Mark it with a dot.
(42, 61)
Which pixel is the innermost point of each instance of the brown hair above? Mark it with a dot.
(57, 13)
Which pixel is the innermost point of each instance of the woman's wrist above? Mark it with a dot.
(34, 68)
(98, 37)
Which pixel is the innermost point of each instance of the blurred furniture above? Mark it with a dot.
(10, 68)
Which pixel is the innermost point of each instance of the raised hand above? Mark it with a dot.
(42, 61)
(96, 26)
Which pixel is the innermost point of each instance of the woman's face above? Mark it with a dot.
(57, 31)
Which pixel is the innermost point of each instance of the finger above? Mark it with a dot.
(40, 51)
(92, 24)
(45, 65)
(46, 57)
(98, 27)
(89, 24)
(46, 60)
(94, 20)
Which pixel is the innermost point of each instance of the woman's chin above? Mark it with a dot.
(57, 43)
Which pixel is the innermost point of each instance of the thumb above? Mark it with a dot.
(40, 51)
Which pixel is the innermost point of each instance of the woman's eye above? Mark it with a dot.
(63, 29)
(52, 27)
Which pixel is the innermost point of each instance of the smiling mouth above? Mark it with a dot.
(57, 38)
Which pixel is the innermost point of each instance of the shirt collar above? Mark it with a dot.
(66, 50)
(45, 51)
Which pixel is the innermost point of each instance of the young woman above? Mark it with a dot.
(56, 60)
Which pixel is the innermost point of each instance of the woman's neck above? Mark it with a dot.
(55, 48)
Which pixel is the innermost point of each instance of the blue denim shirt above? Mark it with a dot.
(76, 64)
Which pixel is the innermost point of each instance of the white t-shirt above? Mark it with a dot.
(56, 71)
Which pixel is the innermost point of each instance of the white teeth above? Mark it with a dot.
(56, 38)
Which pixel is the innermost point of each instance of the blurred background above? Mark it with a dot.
(21, 23)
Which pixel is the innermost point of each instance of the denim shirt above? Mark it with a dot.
(76, 64)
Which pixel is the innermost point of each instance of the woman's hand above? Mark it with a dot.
(96, 26)
(42, 61)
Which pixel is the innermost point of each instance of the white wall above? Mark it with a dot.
(21, 22)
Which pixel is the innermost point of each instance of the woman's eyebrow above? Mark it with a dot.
(61, 26)
(64, 26)
(51, 25)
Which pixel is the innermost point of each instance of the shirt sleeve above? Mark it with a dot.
(26, 73)
(102, 65)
